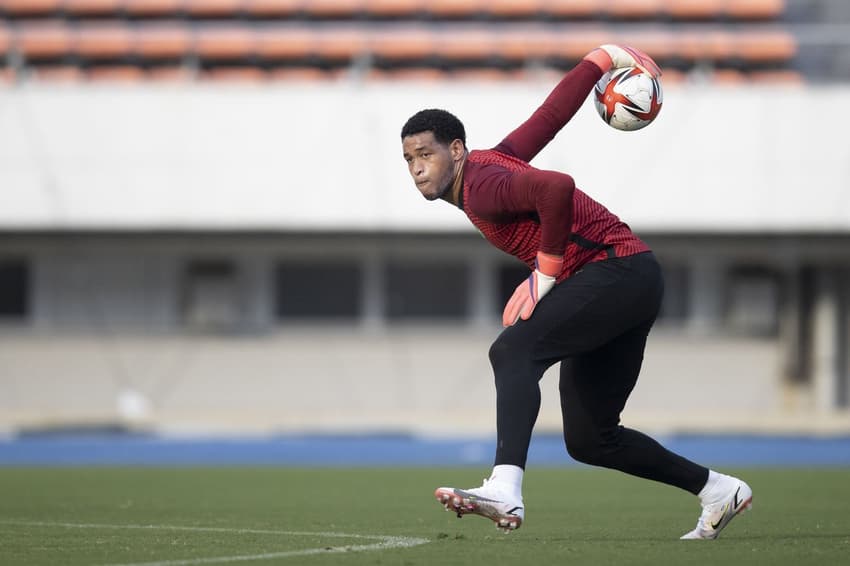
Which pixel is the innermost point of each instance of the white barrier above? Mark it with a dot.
(327, 156)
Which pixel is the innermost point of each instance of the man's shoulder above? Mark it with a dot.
(491, 159)
(487, 156)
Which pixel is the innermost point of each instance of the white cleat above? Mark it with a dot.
(489, 501)
(716, 516)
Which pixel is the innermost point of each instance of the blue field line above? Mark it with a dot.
(389, 450)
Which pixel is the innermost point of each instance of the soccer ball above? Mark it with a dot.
(627, 98)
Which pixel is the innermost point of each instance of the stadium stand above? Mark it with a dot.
(87, 8)
(271, 9)
(158, 42)
(278, 39)
(32, 8)
(5, 39)
(151, 8)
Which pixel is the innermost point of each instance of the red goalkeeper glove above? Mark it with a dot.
(622, 56)
(530, 291)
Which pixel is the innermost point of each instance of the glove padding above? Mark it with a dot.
(529, 292)
(623, 56)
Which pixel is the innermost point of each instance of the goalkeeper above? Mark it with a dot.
(589, 303)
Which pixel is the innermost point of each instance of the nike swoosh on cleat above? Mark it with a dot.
(513, 511)
(720, 520)
(735, 504)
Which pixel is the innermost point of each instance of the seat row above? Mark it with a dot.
(406, 43)
(628, 9)
(123, 73)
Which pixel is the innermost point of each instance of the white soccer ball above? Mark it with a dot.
(627, 98)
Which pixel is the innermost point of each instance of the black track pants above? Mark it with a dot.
(595, 323)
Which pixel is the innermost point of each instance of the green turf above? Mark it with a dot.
(574, 516)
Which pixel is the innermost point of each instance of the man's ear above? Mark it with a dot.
(456, 148)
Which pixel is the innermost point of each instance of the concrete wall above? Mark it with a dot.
(433, 381)
(106, 343)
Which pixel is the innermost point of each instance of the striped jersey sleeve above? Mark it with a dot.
(509, 220)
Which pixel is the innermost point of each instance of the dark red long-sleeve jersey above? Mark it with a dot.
(523, 210)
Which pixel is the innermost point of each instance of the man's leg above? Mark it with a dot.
(517, 376)
(594, 388)
(580, 314)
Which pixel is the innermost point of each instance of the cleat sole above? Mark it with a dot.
(462, 506)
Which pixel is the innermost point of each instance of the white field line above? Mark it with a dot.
(384, 541)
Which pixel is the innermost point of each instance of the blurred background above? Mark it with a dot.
(207, 228)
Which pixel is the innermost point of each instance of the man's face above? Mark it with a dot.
(431, 164)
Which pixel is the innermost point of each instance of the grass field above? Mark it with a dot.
(388, 516)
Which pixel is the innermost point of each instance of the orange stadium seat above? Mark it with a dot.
(578, 44)
(302, 74)
(786, 77)
(57, 74)
(285, 43)
(212, 8)
(455, 8)
(91, 7)
(171, 73)
(43, 40)
(514, 8)
(657, 42)
(634, 9)
(694, 9)
(473, 43)
(672, 76)
(225, 42)
(343, 9)
(116, 73)
(728, 77)
(525, 43)
(392, 8)
(5, 40)
(714, 45)
(30, 7)
(152, 7)
(483, 75)
(162, 41)
(764, 46)
(272, 8)
(103, 41)
(345, 43)
(234, 74)
(573, 8)
(402, 44)
(754, 9)
(413, 74)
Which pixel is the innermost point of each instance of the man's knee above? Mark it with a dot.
(510, 360)
(500, 351)
(592, 447)
(582, 449)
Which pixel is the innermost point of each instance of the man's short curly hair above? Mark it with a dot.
(445, 126)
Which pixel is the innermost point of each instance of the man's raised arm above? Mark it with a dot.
(564, 101)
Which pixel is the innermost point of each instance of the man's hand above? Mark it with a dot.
(530, 291)
(622, 56)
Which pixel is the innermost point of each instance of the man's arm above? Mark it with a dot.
(549, 196)
(546, 194)
(564, 101)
